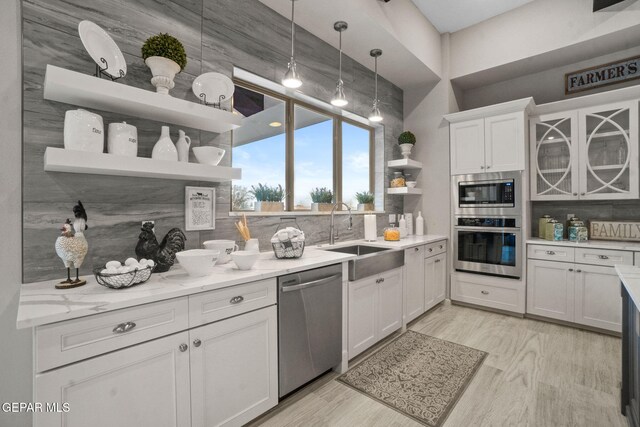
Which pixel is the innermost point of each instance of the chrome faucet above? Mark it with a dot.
(334, 237)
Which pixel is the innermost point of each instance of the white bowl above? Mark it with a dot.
(245, 259)
(411, 184)
(209, 155)
(198, 262)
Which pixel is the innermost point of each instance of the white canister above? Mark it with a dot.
(122, 139)
(83, 131)
(226, 247)
(252, 245)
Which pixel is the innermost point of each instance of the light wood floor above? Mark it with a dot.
(536, 374)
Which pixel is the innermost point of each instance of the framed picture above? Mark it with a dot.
(200, 208)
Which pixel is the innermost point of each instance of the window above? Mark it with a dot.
(285, 142)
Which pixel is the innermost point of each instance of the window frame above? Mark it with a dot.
(338, 120)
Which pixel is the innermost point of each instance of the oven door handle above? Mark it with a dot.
(490, 229)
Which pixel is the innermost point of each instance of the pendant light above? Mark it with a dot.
(291, 78)
(375, 115)
(339, 99)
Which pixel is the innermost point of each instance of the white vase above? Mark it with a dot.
(406, 150)
(183, 144)
(163, 70)
(164, 148)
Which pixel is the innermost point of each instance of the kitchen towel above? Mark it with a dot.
(370, 233)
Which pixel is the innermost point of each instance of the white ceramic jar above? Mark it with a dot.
(122, 139)
(83, 131)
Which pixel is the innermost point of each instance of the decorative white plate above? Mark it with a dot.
(101, 46)
(213, 86)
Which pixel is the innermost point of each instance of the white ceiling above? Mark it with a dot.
(449, 16)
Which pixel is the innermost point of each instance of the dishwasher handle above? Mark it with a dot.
(310, 284)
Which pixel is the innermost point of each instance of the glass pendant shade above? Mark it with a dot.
(375, 115)
(291, 78)
(339, 99)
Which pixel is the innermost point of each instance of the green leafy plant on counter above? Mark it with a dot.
(166, 46)
(267, 193)
(321, 195)
(407, 137)
(365, 197)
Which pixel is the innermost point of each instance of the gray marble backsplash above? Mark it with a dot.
(218, 35)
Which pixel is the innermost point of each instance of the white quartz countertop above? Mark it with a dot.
(40, 303)
(594, 244)
(630, 278)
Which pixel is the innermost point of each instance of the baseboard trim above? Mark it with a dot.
(573, 325)
(494, 310)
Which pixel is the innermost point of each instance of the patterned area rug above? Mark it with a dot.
(420, 376)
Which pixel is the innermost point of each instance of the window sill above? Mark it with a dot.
(301, 213)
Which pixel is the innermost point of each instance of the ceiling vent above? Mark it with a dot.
(603, 4)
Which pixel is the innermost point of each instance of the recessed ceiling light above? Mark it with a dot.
(275, 124)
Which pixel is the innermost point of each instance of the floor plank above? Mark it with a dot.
(536, 374)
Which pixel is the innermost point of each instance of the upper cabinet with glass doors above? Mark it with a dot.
(586, 154)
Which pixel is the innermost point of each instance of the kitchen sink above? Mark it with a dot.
(371, 260)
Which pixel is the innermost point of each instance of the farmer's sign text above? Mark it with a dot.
(602, 75)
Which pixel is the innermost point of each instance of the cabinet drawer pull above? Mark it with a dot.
(481, 167)
(437, 260)
(430, 249)
(380, 280)
(488, 166)
(236, 300)
(575, 194)
(582, 194)
(484, 292)
(550, 253)
(578, 271)
(183, 347)
(603, 257)
(124, 327)
(571, 269)
(417, 249)
(441, 246)
(197, 342)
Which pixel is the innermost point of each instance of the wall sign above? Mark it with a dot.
(200, 208)
(602, 75)
(615, 230)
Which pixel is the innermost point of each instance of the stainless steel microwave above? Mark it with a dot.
(488, 193)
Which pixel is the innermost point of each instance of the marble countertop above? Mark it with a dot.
(40, 303)
(595, 244)
(630, 278)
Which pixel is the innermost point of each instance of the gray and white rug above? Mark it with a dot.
(417, 375)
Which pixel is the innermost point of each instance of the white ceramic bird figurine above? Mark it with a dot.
(72, 246)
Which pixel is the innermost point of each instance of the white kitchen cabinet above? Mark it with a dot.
(598, 302)
(435, 278)
(146, 385)
(550, 289)
(414, 276)
(504, 142)
(375, 309)
(234, 369)
(586, 154)
(467, 147)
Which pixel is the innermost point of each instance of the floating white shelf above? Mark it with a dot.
(91, 92)
(404, 164)
(405, 191)
(61, 160)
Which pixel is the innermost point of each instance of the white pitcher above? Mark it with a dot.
(183, 144)
(164, 148)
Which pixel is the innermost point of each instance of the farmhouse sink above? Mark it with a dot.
(371, 260)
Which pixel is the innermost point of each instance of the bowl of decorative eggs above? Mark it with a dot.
(116, 275)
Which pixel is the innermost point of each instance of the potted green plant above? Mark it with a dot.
(268, 198)
(322, 199)
(165, 57)
(406, 140)
(365, 201)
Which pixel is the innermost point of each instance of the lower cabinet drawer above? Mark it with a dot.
(65, 342)
(435, 248)
(503, 297)
(551, 253)
(215, 305)
(606, 257)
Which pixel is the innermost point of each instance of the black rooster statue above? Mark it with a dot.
(163, 254)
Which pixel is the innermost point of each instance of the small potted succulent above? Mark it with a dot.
(165, 57)
(406, 140)
(268, 198)
(322, 199)
(365, 201)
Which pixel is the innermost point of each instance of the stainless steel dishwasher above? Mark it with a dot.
(309, 325)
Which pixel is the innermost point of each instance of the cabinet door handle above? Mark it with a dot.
(430, 249)
(183, 347)
(578, 271)
(441, 246)
(550, 253)
(236, 300)
(603, 257)
(582, 194)
(197, 342)
(484, 292)
(575, 194)
(124, 327)
(417, 249)
(571, 269)
(481, 167)
(488, 166)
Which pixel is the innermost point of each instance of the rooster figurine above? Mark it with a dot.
(72, 247)
(164, 254)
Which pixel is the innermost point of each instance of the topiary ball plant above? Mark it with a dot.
(166, 46)
(407, 137)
